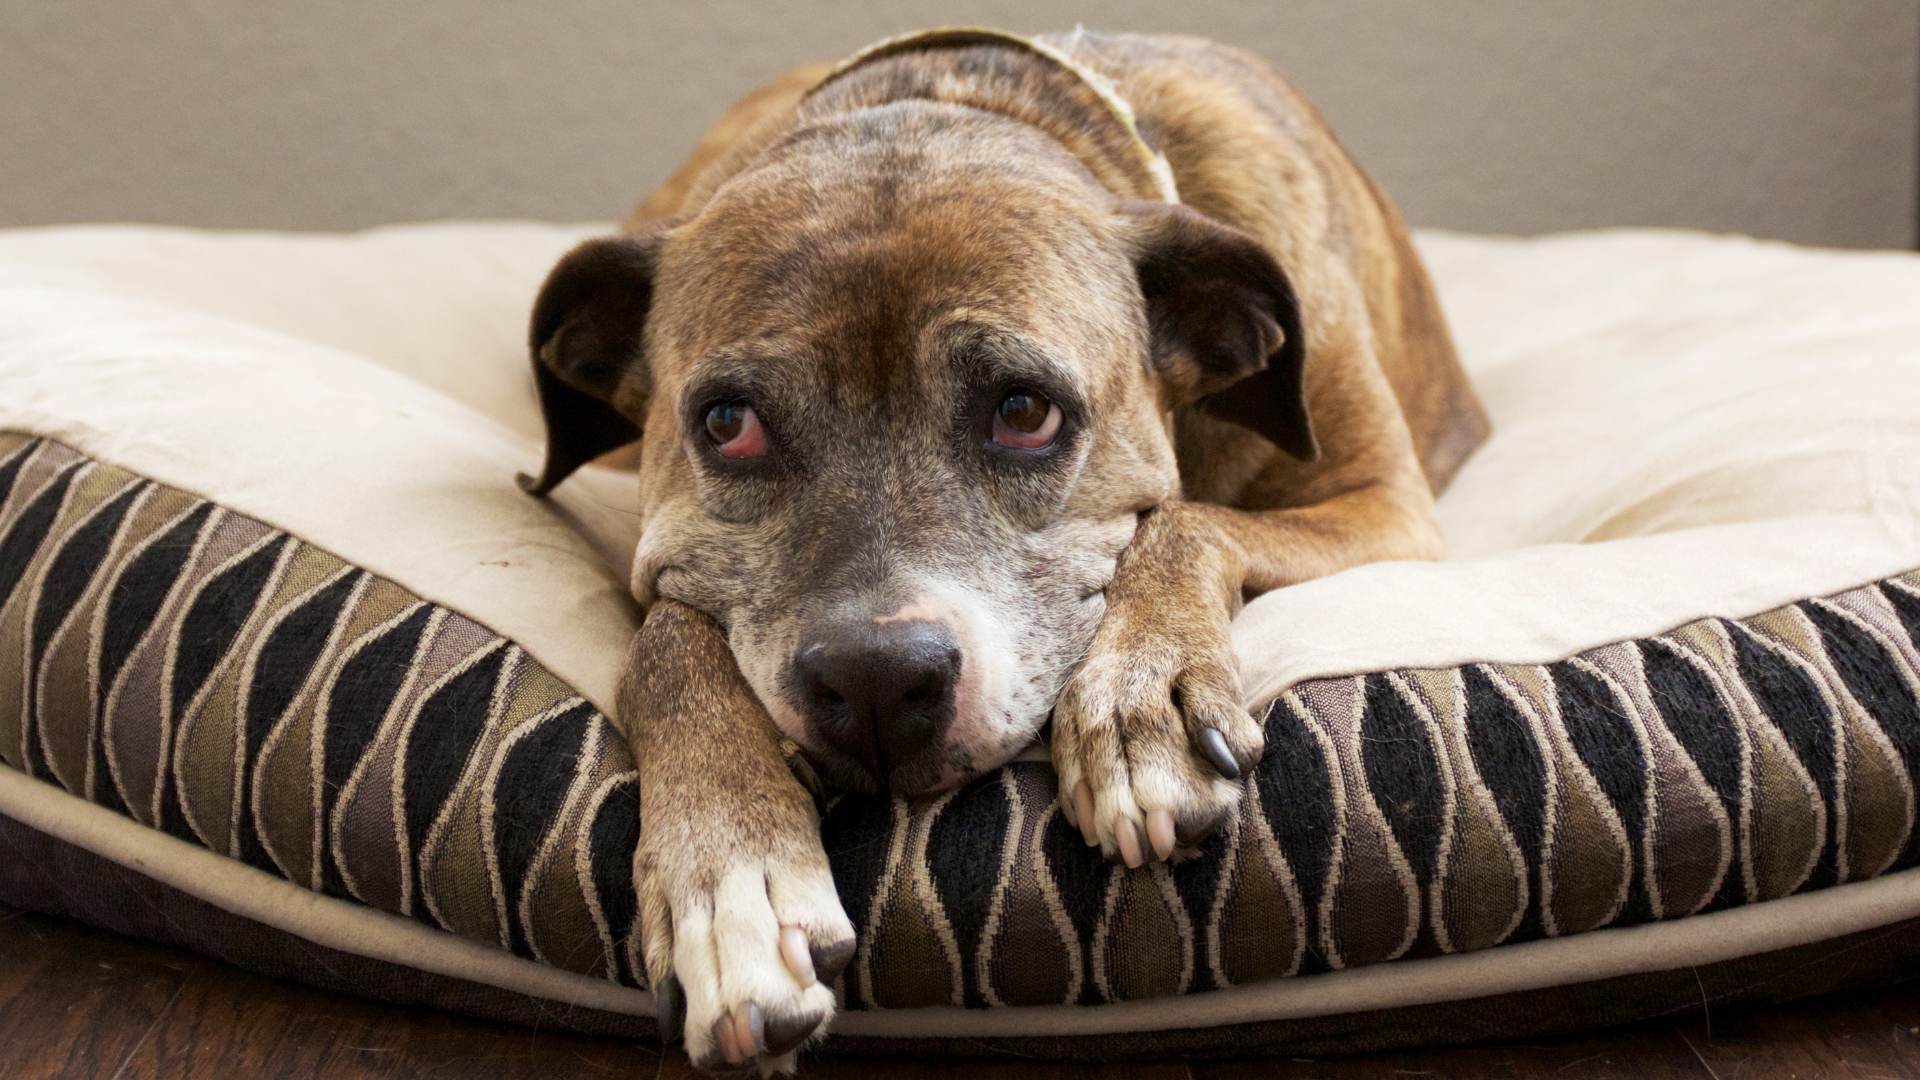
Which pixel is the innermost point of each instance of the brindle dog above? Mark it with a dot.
(950, 421)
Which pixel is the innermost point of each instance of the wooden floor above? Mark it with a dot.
(79, 1003)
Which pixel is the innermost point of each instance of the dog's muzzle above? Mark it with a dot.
(880, 694)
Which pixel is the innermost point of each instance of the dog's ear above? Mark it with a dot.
(589, 350)
(1225, 323)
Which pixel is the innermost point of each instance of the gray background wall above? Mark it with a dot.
(1793, 119)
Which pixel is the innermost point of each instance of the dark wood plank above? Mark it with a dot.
(1869, 1035)
(26, 949)
(821, 1067)
(96, 1005)
(237, 1024)
(1638, 1053)
(75, 1002)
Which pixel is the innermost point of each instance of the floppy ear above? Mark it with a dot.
(589, 350)
(1225, 324)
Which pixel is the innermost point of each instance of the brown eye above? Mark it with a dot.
(1025, 420)
(735, 430)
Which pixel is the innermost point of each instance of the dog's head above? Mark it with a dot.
(901, 387)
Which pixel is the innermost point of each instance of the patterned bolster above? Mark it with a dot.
(221, 681)
(1420, 812)
(244, 691)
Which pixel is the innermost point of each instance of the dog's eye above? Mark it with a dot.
(735, 431)
(1025, 420)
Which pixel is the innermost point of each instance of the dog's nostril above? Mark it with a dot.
(825, 695)
(932, 688)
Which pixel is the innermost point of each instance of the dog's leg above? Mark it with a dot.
(737, 901)
(1142, 773)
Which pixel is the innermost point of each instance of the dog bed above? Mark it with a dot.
(293, 675)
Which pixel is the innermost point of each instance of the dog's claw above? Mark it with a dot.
(747, 1031)
(831, 959)
(669, 1009)
(1083, 813)
(744, 1036)
(1160, 833)
(782, 1034)
(1128, 838)
(798, 958)
(1214, 745)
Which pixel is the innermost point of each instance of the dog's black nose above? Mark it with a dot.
(879, 691)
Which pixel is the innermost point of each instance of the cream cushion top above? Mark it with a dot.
(1685, 425)
(365, 393)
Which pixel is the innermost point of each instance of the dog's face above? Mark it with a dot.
(901, 386)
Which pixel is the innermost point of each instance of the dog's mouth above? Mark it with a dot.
(936, 769)
(924, 773)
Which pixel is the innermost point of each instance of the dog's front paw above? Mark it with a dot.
(743, 942)
(1149, 738)
(742, 926)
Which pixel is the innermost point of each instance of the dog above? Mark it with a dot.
(976, 382)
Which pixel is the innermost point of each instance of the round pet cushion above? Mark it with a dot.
(282, 647)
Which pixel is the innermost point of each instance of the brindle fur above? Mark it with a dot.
(858, 257)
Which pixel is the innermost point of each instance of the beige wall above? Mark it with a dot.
(1783, 118)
